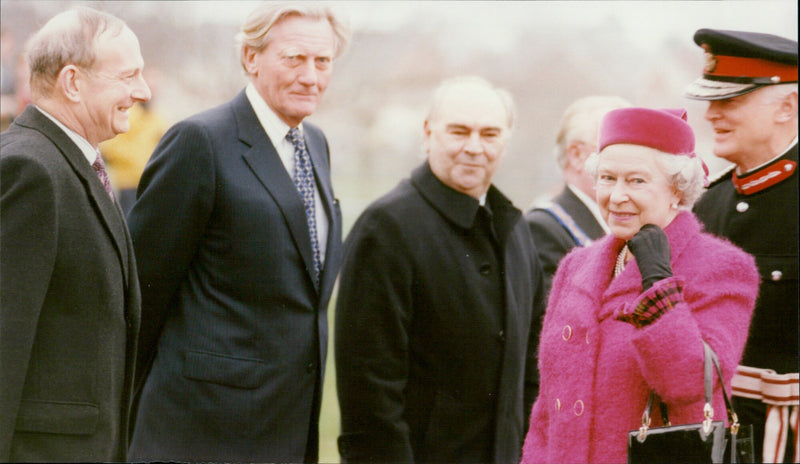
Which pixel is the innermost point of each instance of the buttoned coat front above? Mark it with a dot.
(69, 302)
(764, 224)
(432, 366)
(232, 323)
(597, 372)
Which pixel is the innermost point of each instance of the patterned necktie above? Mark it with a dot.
(100, 169)
(304, 180)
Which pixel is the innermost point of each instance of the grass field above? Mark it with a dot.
(329, 416)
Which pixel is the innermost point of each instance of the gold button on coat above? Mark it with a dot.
(577, 408)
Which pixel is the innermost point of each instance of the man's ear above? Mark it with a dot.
(249, 59)
(69, 82)
(426, 135)
(787, 110)
(574, 155)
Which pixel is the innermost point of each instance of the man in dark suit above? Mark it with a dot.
(439, 300)
(68, 291)
(572, 218)
(238, 236)
(750, 82)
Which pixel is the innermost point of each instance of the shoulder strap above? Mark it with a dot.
(568, 223)
(732, 417)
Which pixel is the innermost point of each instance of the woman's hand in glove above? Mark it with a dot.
(651, 249)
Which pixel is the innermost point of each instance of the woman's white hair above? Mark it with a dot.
(684, 172)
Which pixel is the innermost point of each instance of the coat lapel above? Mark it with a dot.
(109, 212)
(318, 151)
(580, 213)
(263, 160)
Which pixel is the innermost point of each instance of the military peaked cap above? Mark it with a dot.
(738, 62)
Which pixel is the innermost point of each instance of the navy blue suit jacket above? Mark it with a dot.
(234, 331)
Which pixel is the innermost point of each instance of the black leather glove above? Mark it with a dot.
(651, 249)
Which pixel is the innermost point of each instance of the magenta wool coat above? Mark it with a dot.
(597, 372)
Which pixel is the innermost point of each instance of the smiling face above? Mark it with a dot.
(111, 87)
(292, 72)
(632, 190)
(743, 127)
(466, 137)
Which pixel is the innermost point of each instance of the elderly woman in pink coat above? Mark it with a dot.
(629, 314)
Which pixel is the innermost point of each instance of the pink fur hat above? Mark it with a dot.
(663, 129)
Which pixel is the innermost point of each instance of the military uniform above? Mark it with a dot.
(758, 211)
(764, 223)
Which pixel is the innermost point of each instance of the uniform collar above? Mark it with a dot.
(767, 175)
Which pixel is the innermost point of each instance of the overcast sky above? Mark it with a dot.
(494, 24)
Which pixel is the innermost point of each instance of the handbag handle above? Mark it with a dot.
(710, 362)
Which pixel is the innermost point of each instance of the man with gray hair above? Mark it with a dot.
(440, 299)
(238, 235)
(69, 295)
(572, 218)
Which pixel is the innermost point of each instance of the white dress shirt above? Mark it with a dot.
(276, 130)
(86, 148)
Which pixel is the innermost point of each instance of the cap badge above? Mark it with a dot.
(711, 60)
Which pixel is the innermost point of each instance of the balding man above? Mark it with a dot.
(439, 300)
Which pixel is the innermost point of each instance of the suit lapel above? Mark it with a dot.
(580, 213)
(108, 211)
(265, 163)
(318, 151)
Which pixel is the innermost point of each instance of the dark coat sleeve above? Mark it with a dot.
(175, 199)
(371, 343)
(552, 243)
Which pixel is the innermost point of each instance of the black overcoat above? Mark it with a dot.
(69, 302)
(431, 364)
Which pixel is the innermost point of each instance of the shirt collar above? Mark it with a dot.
(89, 152)
(274, 126)
(592, 205)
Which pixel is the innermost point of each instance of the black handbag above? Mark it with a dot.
(706, 442)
